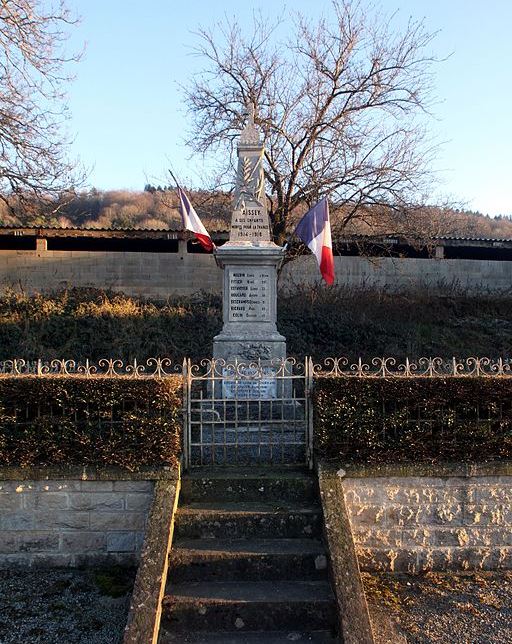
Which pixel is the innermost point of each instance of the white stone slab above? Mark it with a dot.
(253, 384)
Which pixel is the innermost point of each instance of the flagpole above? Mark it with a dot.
(174, 178)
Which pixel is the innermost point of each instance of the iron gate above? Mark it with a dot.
(254, 413)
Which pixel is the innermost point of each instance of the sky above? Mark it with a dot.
(129, 121)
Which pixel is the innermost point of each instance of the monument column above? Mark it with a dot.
(250, 261)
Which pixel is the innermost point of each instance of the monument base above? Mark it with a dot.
(247, 348)
(249, 333)
(260, 366)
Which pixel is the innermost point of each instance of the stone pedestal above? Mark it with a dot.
(249, 332)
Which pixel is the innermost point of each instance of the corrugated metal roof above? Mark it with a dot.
(474, 239)
(92, 229)
(177, 229)
(88, 228)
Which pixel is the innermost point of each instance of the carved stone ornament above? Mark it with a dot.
(250, 134)
(255, 351)
(250, 179)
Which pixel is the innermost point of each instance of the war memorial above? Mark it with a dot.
(190, 454)
(250, 261)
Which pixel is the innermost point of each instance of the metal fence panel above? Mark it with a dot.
(247, 413)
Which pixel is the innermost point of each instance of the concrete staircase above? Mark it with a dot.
(248, 563)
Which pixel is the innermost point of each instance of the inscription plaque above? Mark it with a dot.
(254, 384)
(249, 294)
(250, 223)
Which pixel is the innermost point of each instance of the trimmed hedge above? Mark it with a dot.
(390, 420)
(97, 421)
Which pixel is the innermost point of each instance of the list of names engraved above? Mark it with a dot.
(249, 294)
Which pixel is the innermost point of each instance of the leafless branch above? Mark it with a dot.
(338, 105)
(34, 72)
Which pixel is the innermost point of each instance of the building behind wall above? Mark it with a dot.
(159, 264)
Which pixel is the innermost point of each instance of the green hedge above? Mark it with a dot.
(381, 420)
(97, 421)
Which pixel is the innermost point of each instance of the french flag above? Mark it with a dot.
(315, 231)
(192, 222)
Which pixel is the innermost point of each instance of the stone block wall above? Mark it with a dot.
(72, 522)
(413, 524)
(396, 274)
(150, 275)
(161, 275)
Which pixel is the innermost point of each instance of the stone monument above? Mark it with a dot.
(250, 261)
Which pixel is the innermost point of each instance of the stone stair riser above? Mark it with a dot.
(195, 615)
(297, 489)
(246, 637)
(220, 526)
(186, 567)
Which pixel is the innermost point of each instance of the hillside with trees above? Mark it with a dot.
(157, 207)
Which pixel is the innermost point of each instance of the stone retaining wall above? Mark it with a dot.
(72, 522)
(419, 523)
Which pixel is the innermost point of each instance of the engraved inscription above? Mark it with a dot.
(253, 383)
(250, 223)
(249, 295)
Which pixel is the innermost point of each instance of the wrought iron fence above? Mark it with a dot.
(421, 367)
(247, 412)
(378, 367)
(105, 367)
(262, 411)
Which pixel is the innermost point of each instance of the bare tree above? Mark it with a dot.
(338, 104)
(33, 76)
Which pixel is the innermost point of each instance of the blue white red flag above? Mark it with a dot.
(192, 222)
(315, 231)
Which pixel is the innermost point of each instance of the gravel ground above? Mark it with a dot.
(64, 606)
(467, 608)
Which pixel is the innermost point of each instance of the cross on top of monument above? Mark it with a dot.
(250, 134)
